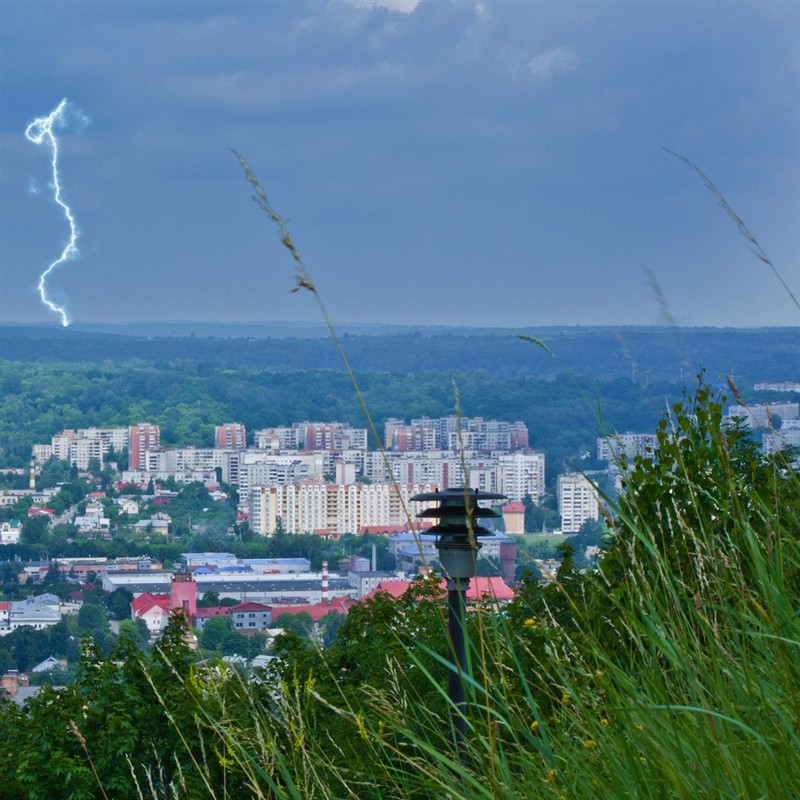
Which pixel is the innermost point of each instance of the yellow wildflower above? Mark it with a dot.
(566, 697)
(590, 744)
(604, 722)
(551, 776)
(535, 726)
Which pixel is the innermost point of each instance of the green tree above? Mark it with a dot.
(27, 647)
(300, 624)
(136, 633)
(52, 473)
(209, 599)
(329, 627)
(64, 638)
(93, 621)
(72, 743)
(119, 602)
(34, 530)
(219, 636)
(540, 517)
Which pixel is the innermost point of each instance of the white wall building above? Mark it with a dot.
(10, 532)
(577, 501)
(306, 435)
(455, 433)
(258, 468)
(331, 509)
(521, 474)
(80, 446)
(36, 612)
(787, 436)
(613, 447)
(759, 416)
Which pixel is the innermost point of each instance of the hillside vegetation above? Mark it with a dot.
(670, 671)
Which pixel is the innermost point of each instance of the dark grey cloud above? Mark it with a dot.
(452, 161)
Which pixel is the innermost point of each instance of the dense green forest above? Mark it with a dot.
(657, 354)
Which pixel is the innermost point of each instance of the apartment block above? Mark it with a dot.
(521, 474)
(329, 509)
(402, 438)
(455, 433)
(332, 436)
(80, 446)
(577, 501)
(760, 416)
(142, 437)
(230, 436)
(262, 469)
(787, 436)
(614, 447)
(42, 453)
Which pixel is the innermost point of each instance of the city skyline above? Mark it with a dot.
(457, 163)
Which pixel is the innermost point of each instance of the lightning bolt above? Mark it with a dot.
(40, 131)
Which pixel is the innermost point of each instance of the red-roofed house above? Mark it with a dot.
(329, 534)
(395, 588)
(317, 611)
(153, 609)
(383, 530)
(493, 588)
(41, 511)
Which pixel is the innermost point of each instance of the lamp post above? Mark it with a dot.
(457, 542)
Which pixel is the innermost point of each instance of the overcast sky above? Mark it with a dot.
(457, 162)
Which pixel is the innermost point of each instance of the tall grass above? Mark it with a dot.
(655, 682)
(673, 670)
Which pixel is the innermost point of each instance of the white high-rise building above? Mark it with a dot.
(577, 501)
(80, 446)
(760, 416)
(263, 469)
(613, 447)
(331, 509)
(522, 474)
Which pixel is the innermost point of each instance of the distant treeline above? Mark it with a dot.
(643, 355)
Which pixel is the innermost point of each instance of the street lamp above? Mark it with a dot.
(457, 542)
